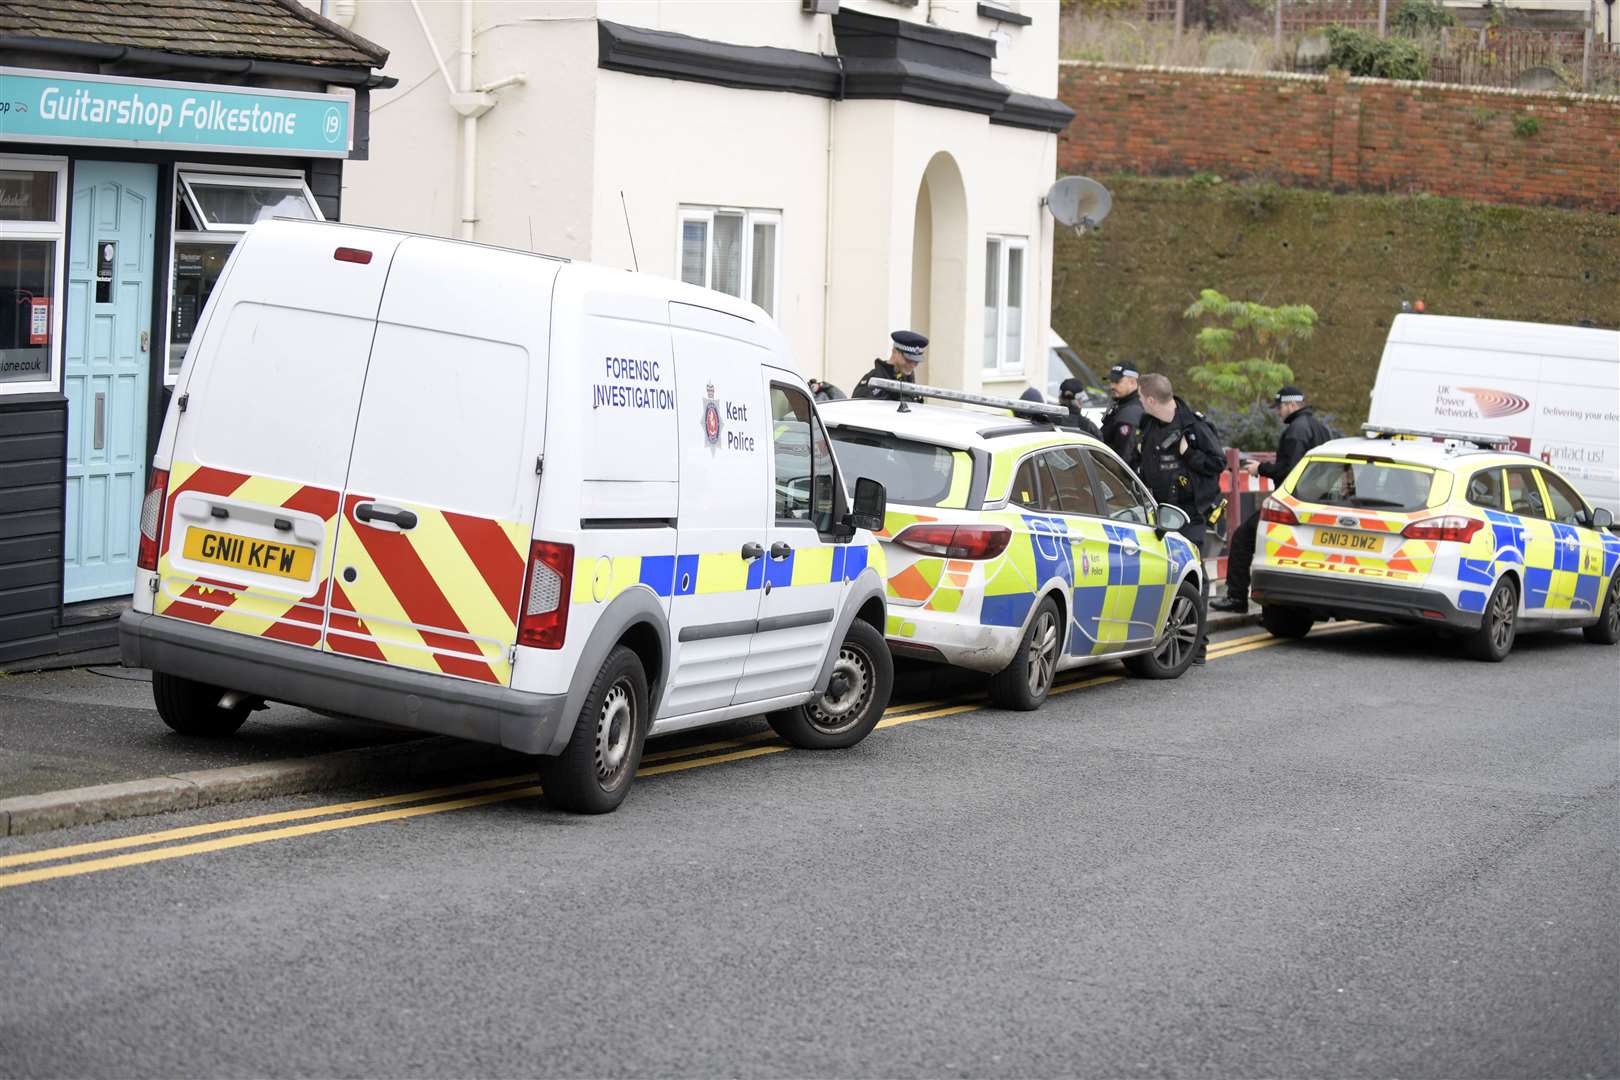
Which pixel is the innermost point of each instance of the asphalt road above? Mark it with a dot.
(1357, 855)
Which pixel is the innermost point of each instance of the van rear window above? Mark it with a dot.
(913, 473)
(1365, 485)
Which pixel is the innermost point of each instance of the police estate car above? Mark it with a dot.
(1458, 534)
(1017, 548)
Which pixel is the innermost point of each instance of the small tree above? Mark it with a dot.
(1243, 347)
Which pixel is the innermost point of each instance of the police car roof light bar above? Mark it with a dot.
(1027, 410)
(1484, 442)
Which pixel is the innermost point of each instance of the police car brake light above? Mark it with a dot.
(157, 492)
(544, 623)
(1274, 511)
(956, 541)
(1452, 527)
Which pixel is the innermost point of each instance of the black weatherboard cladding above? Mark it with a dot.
(33, 453)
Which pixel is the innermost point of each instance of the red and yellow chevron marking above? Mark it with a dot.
(441, 597)
(259, 611)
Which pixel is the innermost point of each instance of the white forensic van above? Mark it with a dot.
(1553, 390)
(499, 496)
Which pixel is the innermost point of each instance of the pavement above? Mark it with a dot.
(87, 745)
(1359, 854)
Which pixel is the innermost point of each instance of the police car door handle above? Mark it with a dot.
(780, 550)
(369, 512)
(752, 550)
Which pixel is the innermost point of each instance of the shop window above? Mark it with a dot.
(212, 211)
(32, 244)
(736, 252)
(1004, 264)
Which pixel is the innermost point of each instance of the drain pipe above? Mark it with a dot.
(470, 102)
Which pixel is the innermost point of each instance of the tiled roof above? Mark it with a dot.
(281, 30)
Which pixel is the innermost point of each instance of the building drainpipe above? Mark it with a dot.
(470, 102)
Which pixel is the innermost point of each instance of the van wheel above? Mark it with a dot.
(1606, 631)
(1024, 683)
(1497, 628)
(862, 679)
(594, 771)
(192, 708)
(1286, 622)
(1183, 635)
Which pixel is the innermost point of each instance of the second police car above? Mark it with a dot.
(1457, 534)
(1017, 548)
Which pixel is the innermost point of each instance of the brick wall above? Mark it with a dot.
(1328, 131)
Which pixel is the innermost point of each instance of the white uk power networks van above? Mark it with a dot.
(495, 495)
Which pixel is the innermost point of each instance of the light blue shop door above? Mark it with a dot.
(105, 370)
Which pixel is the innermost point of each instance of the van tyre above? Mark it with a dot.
(1606, 631)
(1025, 683)
(1182, 640)
(1286, 622)
(1498, 625)
(594, 771)
(862, 679)
(192, 708)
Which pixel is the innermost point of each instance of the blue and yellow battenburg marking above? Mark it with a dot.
(712, 572)
(1562, 568)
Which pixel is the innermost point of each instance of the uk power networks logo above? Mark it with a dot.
(1494, 404)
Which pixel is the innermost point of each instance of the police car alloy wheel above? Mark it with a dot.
(1183, 632)
(1494, 638)
(1026, 681)
(1606, 631)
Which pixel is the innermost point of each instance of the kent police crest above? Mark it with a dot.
(711, 417)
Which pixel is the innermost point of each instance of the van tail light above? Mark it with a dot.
(544, 622)
(1452, 527)
(352, 255)
(157, 493)
(1273, 511)
(956, 541)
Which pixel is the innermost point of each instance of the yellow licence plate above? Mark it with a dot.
(1353, 541)
(260, 556)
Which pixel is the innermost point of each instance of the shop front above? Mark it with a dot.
(121, 197)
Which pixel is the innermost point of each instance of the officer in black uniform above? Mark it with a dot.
(1123, 419)
(1302, 433)
(1071, 392)
(901, 365)
(1181, 459)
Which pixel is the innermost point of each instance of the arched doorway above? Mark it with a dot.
(939, 262)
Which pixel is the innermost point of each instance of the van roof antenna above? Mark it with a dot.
(631, 232)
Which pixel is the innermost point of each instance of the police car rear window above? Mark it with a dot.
(914, 473)
(1364, 485)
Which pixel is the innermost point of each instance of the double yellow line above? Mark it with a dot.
(185, 841)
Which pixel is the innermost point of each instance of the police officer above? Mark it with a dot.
(1302, 433)
(1070, 393)
(1124, 417)
(901, 366)
(1181, 460)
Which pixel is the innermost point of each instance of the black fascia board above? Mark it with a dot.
(1033, 112)
(1001, 14)
(665, 54)
(215, 65)
(893, 59)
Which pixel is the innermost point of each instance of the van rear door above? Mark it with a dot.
(266, 413)
(438, 508)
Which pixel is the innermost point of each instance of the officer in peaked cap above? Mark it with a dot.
(1124, 418)
(901, 365)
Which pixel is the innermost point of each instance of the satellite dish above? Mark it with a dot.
(1079, 202)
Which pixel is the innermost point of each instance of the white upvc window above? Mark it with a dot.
(1005, 262)
(732, 250)
(213, 208)
(33, 249)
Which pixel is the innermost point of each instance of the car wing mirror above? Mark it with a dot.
(871, 505)
(1602, 518)
(1168, 517)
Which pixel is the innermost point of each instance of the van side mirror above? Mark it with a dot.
(1602, 518)
(871, 504)
(1168, 518)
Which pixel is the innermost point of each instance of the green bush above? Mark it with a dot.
(1242, 351)
(1362, 53)
(1414, 17)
